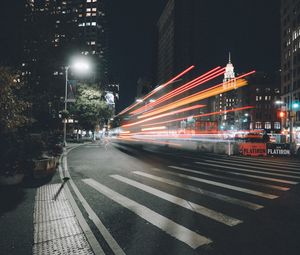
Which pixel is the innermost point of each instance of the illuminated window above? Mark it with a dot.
(276, 125)
(88, 14)
(94, 9)
(267, 125)
(256, 98)
(258, 125)
(88, 1)
(88, 9)
(93, 43)
(94, 23)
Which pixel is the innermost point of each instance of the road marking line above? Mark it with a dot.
(228, 199)
(96, 247)
(253, 165)
(232, 179)
(180, 232)
(265, 161)
(254, 171)
(223, 185)
(246, 160)
(212, 214)
(114, 246)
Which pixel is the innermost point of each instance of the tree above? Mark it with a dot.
(13, 106)
(90, 109)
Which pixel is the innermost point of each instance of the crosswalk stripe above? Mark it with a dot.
(231, 179)
(255, 171)
(244, 159)
(268, 161)
(217, 216)
(255, 165)
(228, 199)
(179, 232)
(223, 185)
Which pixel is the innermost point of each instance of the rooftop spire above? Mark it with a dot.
(229, 59)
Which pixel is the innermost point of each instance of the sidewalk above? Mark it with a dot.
(37, 218)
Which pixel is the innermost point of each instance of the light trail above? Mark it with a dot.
(191, 99)
(215, 90)
(201, 115)
(163, 115)
(189, 85)
(157, 89)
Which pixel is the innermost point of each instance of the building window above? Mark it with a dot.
(258, 125)
(256, 98)
(267, 125)
(277, 125)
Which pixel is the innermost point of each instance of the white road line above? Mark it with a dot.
(232, 179)
(114, 246)
(228, 199)
(223, 185)
(217, 216)
(254, 171)
(246, 160)
(285, 163)
(257, 165)
(179, 232)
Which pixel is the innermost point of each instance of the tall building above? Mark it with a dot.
(262, 93)
(55, 30)
(175, 47)
(228, 100)
(290, 55)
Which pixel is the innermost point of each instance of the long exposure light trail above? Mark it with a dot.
(164, 115)
(218, 89)
(193, 98)
(157, 89)
(200, 115)
(185, 87)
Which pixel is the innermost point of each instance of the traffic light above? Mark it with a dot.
(281, 114)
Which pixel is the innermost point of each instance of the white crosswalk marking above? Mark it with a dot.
(255, 165)
(228, 178)
(217, 216)
(174, 229)
(223, 185)
(254, 171)
(203, 192)
(260, 160)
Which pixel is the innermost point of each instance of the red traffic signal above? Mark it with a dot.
(281, 114)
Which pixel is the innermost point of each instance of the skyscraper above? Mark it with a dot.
(290, 54)
(54, 31)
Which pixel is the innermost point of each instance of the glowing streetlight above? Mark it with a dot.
(80, 66)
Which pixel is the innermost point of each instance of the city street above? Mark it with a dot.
(173, 202)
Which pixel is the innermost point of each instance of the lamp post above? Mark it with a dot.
(81, 66)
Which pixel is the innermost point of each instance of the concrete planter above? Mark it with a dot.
(44, 167)
(11, 179)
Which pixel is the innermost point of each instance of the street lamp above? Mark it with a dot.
(80, 66)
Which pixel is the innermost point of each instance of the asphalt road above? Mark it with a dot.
(172, 202)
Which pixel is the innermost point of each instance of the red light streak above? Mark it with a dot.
(157, 89)
(197, 96)
(201, 115)
(164, 115)
(189, 85)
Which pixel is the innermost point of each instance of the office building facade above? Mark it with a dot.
(54, 32)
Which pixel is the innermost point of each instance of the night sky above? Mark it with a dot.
(249, 29)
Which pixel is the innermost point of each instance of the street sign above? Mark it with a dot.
(278, 149)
